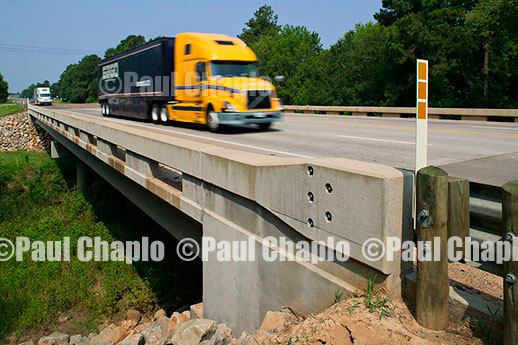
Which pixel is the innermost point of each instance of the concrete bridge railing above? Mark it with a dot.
(433, 113)
(195, 189)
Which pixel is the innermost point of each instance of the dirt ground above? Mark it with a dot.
(345, 324)
(488, 286)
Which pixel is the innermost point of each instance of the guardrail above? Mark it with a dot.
(433, 113)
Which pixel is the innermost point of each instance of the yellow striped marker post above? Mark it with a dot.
(421, 135)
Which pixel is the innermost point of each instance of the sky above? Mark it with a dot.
(79, 28)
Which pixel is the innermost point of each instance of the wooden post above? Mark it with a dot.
(432, 288)
(510, 222)
(458, 208)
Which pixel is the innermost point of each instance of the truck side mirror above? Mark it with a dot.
(279, 78)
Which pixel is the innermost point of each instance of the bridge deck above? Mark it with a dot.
(483, 152)
(494, 171)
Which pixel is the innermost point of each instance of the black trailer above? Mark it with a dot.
(131, 83)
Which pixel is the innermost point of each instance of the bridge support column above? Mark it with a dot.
(57, 150)
(239, 293)
(83, 176)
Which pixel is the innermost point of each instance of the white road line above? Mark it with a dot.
(134, 123)
(234, 143)
(374, 139)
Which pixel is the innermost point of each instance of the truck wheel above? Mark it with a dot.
(107, 110)
(164, 115)
(213, 121)
(103, 109)
(264, 126)
(155, 114)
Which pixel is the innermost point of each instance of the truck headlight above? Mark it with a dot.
(229, 107)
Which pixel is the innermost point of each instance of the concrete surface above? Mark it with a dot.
(235, 194)
(494, 170)
(388, 141)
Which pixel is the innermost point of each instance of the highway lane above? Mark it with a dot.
(387, 141)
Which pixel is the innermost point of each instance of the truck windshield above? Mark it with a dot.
(44, 94)
(229, 69)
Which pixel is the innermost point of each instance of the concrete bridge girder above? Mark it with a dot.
(232, 195)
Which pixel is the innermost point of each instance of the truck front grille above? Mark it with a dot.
(259, 99)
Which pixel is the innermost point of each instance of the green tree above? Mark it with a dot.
(55, 89)
(432, 30)
(493, 26)
(360, 68)
(4, 89)
(130, 42)
(263, 23)
(290, 53)
(78, 84)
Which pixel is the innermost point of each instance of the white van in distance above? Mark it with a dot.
(42, 96)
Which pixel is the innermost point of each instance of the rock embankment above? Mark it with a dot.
(17, 133)
(187, 328)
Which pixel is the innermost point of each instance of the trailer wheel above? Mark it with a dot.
(213, 120)
(103, 109)
(164, 115)
(155, 113)
(107, 110)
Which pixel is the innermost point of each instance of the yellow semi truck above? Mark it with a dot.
(195, 77)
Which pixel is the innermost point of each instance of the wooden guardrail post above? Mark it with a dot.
(510, 222)
(458, 208)
(432, 289)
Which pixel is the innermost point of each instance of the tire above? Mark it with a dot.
(212, 121)
(155, 113)
(103, 109)
(264, 126)
(107, 110)
(164, 115)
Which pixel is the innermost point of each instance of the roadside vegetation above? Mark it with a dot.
(37, 202)
(471, 46)
(4, 89)
(9, 109)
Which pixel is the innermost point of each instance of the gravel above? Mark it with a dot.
(18, 133)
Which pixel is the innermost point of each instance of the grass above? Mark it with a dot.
(338, 296)
(36, 202)
(375, 302)
(10, 109)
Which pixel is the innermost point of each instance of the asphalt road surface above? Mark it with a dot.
(388, 141)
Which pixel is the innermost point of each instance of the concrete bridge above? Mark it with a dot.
(196, 189)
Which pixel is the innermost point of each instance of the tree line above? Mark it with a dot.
(4, 87)
(472, 46)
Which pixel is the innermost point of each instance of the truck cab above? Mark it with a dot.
(42, 96)
(216, 83)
